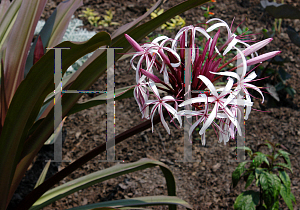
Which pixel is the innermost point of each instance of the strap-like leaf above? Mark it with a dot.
(18, 46)
(4, 5)
(139, 201)
(121, 93)
(8, 19)
(100, 176)
(43, 174)
(31, 94)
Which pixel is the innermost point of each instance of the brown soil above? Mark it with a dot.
(204, 185)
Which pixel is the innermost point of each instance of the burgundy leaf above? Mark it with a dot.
(213, 44)
(38, 51)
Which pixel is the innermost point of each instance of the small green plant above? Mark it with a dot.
(91, 16)
(244, 31)
(156, 13)
(276, 83)
(176, 22)
(270, 175)
(208, 13)
(108, 19)
(151, 37)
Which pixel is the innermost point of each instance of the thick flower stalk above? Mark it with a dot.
(220, 107)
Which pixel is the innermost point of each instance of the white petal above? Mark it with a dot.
(227, 73)
(154, 89)
(158, 39)
(209, 120)
(230, 46)
(209, 85)
(195, 125)
(162, 119)
(233, 119)
(244, 62)
(227, 88)
(203, 140)
(257, 89)
(196, 100)
(248, 108)
(250, 77)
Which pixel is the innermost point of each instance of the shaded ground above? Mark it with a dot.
(204, 185)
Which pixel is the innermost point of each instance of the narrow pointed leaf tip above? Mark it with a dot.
(133, 43)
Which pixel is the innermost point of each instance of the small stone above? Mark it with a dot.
(77, 134)
(84, 202)
(123, 186)
(216, 167)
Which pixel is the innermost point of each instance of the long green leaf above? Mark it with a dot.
(65, 10)
(121, 93)
(8, 20)
(139, 201)
(55, 135)
(100, 176)
(18, 46)
(33, 196)
(16, 50)
(4, 5)
(43, 174)
(32, 91)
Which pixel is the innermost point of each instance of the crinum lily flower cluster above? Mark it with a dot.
(219, 107)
